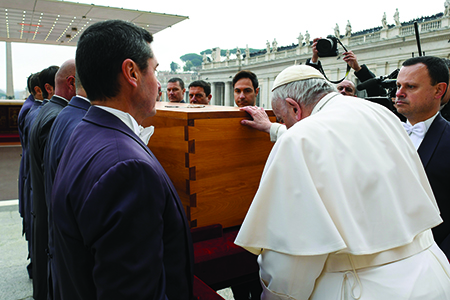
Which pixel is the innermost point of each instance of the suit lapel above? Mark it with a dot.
(105, 119)
(431, 139)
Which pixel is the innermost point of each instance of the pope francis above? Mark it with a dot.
(344, 207)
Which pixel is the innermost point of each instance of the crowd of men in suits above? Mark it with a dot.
(52, 91)
(101, 216)
(105, 158)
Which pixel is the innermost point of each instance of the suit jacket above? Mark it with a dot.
(434, 153)
(120, 229)
(21, 123)
(38, 139)
(59, 135)
(26, 190)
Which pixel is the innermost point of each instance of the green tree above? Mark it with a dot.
(190, 56)
(191, 60)
(207, 51)
(187, 66)
(174, 67)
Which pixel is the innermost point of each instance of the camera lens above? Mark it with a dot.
(324, 45)
(327, 47)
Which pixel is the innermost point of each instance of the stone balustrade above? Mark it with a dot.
(373, 35)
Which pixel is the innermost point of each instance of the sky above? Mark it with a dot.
(227, 24)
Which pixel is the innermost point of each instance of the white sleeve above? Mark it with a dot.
(276, 130)
(286, 276)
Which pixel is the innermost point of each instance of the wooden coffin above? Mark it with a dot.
(214, 162)
(9, 112)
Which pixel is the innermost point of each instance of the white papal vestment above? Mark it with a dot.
(344, 210)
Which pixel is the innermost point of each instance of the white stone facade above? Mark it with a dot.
(382, 49)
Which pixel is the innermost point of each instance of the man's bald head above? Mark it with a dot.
(347, 88)
(65, 80)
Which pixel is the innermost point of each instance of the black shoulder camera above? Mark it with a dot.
(327, 47)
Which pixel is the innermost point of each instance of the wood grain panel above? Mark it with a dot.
(214, 162)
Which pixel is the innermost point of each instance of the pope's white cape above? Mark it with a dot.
(345, 178)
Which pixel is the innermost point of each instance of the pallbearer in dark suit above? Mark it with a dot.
(21, 123)
(421, 83)
(120, 230)
(64, 91)
(47, 77)
(59, 135)
(32, 82)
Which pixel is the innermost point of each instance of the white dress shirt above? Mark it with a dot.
(143, 133)
(417, 139)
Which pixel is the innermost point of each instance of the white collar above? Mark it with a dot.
(427, 122)
(61, 98)
(323, 101)
(143, 133)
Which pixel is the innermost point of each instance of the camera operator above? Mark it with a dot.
(361, 71)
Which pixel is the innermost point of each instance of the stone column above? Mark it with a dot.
(9, 73)
(213, 93)
(265, 94)
(228, 101)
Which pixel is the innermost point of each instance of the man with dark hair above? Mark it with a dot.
(26, 106)
(245, 85)
(27, 193)
(176, 90)
(421, 83)
(64, 90)
(47, 81)
(246, 89)
(33, 88)
(120, 230)
(200, 92)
